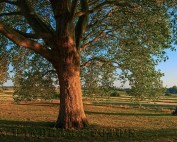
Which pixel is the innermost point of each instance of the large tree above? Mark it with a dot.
(60, 31)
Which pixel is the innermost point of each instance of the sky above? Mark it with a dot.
(169, 68)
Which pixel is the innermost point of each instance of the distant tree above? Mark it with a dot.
(172, 90)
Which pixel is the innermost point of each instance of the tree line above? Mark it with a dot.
(171, 90)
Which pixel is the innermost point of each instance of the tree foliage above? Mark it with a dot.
(143, 36)
(33, 86)
(131, 36)
(4, 61)
(135, 43)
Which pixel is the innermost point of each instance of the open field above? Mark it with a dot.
(111, 119)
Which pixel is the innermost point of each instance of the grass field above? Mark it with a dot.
(111, 119)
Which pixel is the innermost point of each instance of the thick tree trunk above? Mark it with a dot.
(67, 65)
(71, 112)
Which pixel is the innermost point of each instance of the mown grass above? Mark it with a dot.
(111, 119)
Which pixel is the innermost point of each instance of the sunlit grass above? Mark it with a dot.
(111, 119)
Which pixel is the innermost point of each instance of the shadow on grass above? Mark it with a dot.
(25, 123)
(39, 103)
(42, 131)
(128, 114)
(170, 106)
(8, 93)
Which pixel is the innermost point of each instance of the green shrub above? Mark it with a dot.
(115, 94)
(168, 94)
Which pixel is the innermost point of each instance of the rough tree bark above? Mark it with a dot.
(67, 65)
(71, 112)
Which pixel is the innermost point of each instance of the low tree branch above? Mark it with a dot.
(10, 14)
(20, 40)
(37, 24)
(34, 35)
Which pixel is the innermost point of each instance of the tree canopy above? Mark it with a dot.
(125, 34)
(100, 36)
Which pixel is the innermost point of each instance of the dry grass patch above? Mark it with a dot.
(108, 122)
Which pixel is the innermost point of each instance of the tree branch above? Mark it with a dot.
(73, 8)
(94, 40)
(20, 40)
(34, 35)
(52, 71)
(92, 59)
(10, 14)
(38, 25)
(115, 2)
(92, 2)
(104, 18)
(9, 2)
(82, 23)
(81, 13)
